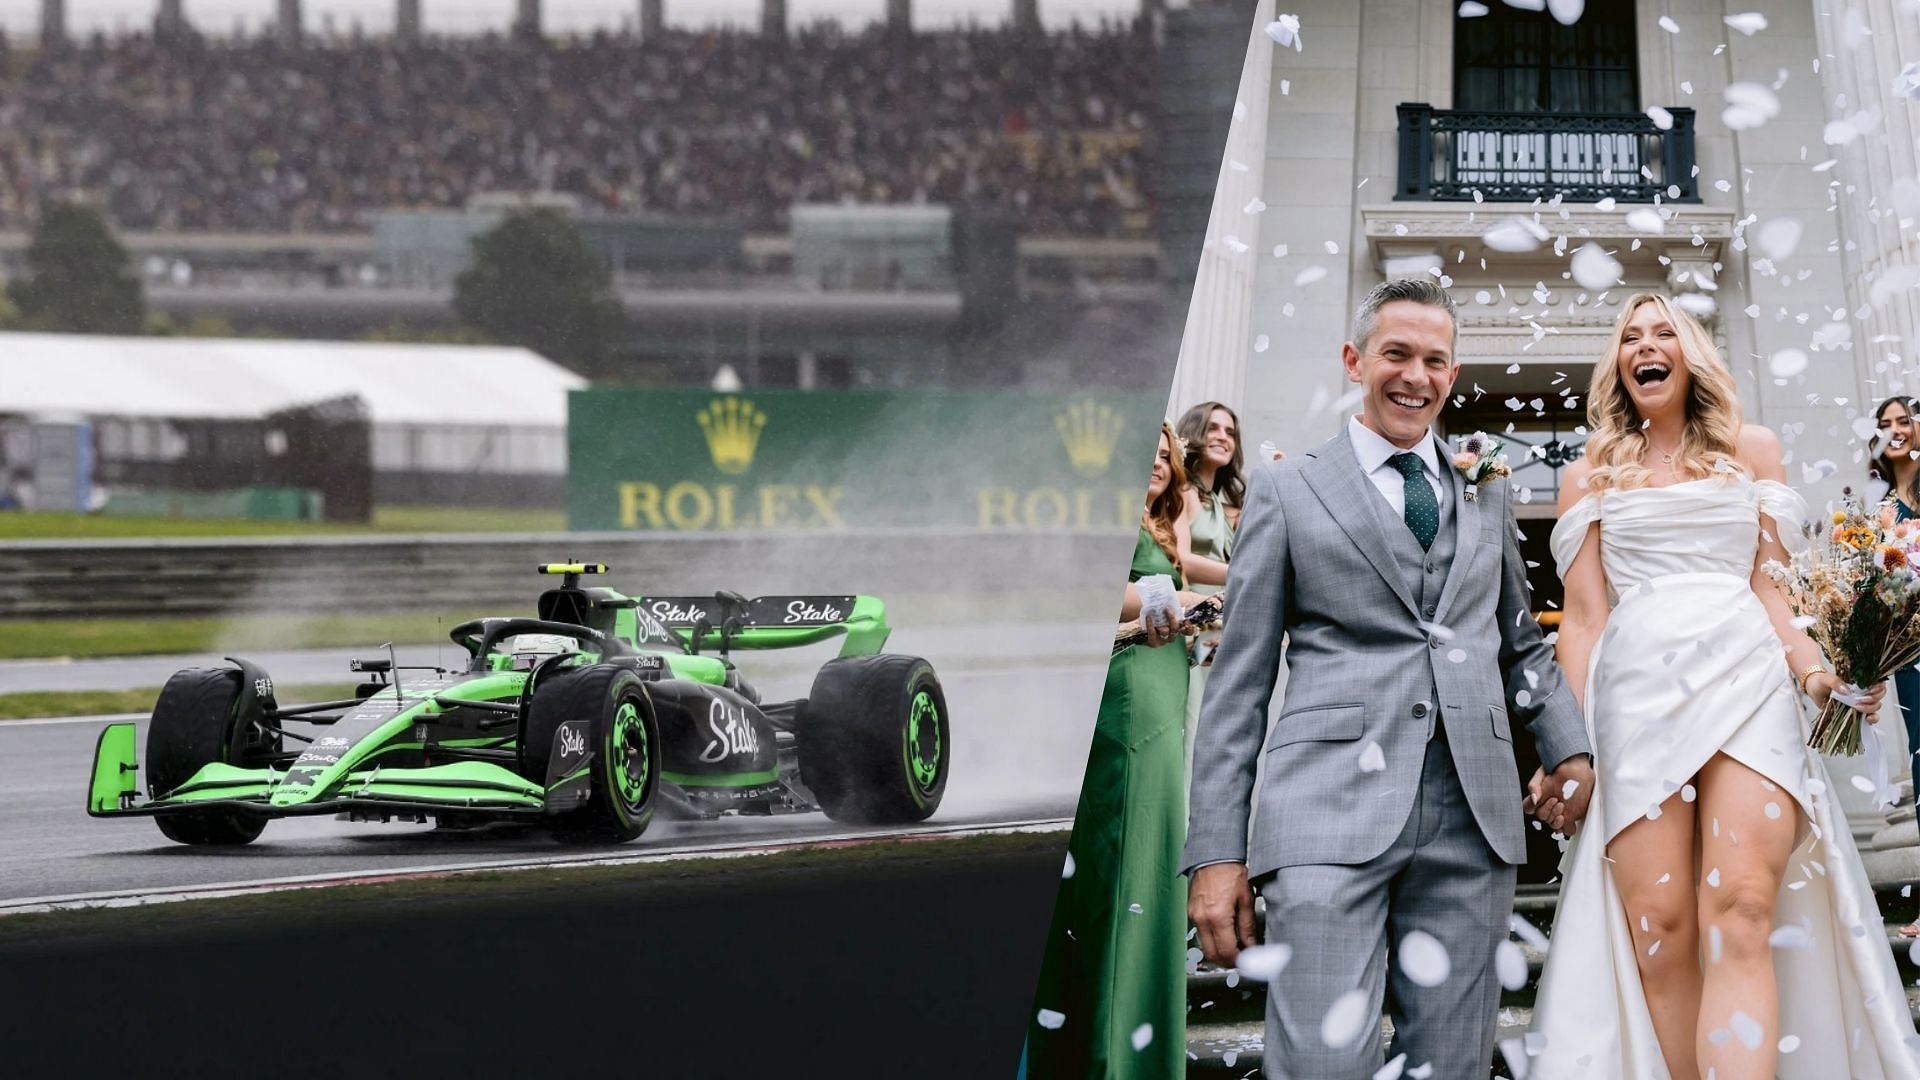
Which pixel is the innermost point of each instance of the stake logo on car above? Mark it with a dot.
(571, 741)
(674, 613)
(732, 734)
(801, 611)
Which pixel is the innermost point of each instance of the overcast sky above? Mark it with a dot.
(466, 16)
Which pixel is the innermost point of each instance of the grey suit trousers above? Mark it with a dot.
(1439, 876)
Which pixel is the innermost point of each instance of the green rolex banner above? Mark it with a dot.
(684, 460)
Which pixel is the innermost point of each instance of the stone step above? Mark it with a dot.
(1219, 1051)
(1226, 1014)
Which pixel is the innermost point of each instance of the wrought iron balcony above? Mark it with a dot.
(1447, 156)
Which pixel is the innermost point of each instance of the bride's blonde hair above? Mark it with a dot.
(1618, 441)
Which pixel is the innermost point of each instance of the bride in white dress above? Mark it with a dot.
(1714, 919)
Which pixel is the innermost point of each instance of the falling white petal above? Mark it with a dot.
(1791, 936)
(1785, 364)
(1256, 207)
(1747, 1029)
(1345, 1021)
(1067, 870)
(1748, 23)
(1262, 343)
(1789, 1043)
(1698, 305)
(1594, 269)
(1646, 220)
(1392, 1069)
(1333, 248)
(1661, 118)
(1308, 276)
(1778, 238)
(1510, 964)
(1263, 963)
(1142, 1036)
(1472, 9)
(1051, 1020)
(1566, 12)
(1373, 759)
(1667, 24)
(1514, 235)
(1424, 959)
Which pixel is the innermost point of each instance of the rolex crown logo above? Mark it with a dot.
(732, 427)
(1089, 430)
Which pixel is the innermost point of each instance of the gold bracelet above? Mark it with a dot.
(1816, 669)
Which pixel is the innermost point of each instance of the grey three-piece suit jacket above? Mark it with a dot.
(1383, 641)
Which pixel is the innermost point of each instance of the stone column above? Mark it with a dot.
(653, 19)
(406, 20)
(53, 23)
(773, 18)
(1026, 15)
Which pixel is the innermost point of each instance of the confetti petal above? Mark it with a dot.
(1472, 9)
(1667, 24)
(1566, 12)
(1594, 269)
(1747, 1029)
(1646, 221)
(1424, 959)
(1345, 1021)
(1778, 238)
(1661, 118)
(1142, 1036)
(1373, 759)
(1051, 1020)
(1067, 870)
(1510, 965)
(1787, 363)
(1309, 275)
(1515, 235)
(1263, 963)
(1748, 23)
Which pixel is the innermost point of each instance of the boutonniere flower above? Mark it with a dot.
(1480, 457)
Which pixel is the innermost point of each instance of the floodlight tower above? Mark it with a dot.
(1026, 15)
(406, 20)
(526, 18)
(653, 19)
(287, 25)
(773, 18)
(900, 16)
(172, 18)
(53, 23)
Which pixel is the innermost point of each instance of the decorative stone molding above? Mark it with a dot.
(1694, 233)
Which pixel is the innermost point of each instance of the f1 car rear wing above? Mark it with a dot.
(730, 621)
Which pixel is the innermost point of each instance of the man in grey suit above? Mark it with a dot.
(1390, 806)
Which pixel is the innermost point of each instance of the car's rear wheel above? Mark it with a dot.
(624, 738)
(874, 741)
(196, 722)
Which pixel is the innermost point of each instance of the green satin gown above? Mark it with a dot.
(1115, 964)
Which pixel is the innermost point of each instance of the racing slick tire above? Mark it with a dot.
(195, 723)
(873, 739)
(624, 736)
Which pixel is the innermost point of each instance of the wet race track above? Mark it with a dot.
(1021, 699)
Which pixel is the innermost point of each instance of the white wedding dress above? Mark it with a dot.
(1690, 666)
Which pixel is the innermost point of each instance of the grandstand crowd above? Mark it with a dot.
(259, 134)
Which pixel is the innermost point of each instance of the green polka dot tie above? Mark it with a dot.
(1423, 510)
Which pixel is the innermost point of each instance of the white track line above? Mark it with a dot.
(734, 850)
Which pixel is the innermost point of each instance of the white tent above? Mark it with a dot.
(430, 406)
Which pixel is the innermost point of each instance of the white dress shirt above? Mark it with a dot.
(1374, 450)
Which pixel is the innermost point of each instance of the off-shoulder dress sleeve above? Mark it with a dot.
(1787, 509)
(1571, 531)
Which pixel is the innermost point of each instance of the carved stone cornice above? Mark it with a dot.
(1402, 229)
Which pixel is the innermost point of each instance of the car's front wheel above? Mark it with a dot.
(196, 723)
(623, 739)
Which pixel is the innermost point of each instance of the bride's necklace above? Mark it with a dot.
(1666, 456)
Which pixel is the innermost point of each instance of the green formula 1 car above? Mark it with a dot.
(586, 719)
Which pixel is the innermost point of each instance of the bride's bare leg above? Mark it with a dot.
(1740, 1005)
(1653, 871)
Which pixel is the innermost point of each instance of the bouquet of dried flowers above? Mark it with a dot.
(1856, 592)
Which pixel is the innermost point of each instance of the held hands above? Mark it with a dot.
(1163, 625)
(1220, 903)
(1550, 799)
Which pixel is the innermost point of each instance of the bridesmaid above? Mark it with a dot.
(1210, 514)
(1112, 998)
(1895, 466)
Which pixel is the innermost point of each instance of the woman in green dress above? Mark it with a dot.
(1112, 998)
(1210, 513)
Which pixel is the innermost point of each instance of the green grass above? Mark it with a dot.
(402, 519)
(77, 637)
(99, 702)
